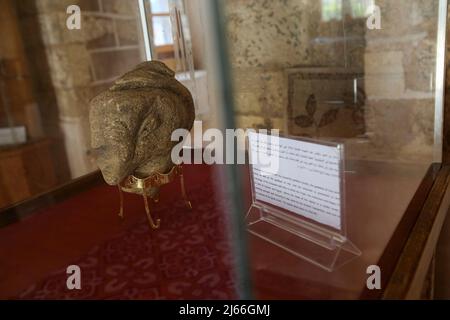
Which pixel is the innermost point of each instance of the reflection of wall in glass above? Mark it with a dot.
(396, 66)
(399, 65)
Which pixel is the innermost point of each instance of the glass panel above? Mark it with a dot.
(162, 31)
(191, 255)
(45, 98)
(331, 9)
(313, 69)
(340, 71)
(159, 6)
(359, 8)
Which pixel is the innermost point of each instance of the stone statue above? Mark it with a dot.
(132, 122)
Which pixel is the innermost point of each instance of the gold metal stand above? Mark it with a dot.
(143, 187)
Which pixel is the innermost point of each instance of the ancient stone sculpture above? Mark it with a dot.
(132, 122)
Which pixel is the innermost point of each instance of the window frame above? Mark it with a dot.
(166, 52)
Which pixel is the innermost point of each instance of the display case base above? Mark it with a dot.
(304, 241)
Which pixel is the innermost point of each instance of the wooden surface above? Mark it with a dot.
(411, 269)
(442, 258)
(25, 171)
(19, 211)
(390, 256)
(446, 120)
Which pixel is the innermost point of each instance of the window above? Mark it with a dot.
(161, 26)
(331, 10)
(336, 9)
(359, 7)
(162, 31)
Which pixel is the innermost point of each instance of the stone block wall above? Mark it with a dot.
(400, 61)
(397, 64)
(267, 38)
(71, 66)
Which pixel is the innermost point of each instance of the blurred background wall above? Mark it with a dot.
(70, 67)
(49, 74)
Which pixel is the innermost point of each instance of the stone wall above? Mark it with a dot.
(72, 66)
(399, 80)
(395, 118)
(267, 38)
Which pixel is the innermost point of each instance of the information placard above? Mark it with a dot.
(298, 198)
(298, 176)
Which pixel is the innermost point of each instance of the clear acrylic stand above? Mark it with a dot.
(319, 244)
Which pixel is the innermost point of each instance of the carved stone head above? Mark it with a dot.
(132, 122)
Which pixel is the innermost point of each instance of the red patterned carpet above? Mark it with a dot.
(188, 258)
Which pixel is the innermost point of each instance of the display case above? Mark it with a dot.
(370, 75)
(363, 76)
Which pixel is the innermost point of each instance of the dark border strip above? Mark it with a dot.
(403, 274)
(18, 211)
